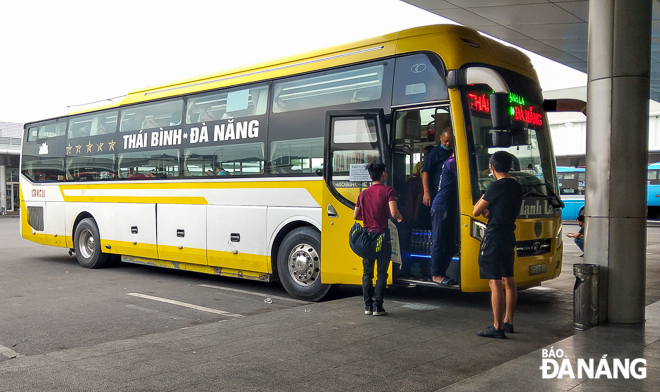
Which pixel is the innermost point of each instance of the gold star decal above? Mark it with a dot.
(89, 147)
(111, 145)
(100, 147)
(78, 147)
(68, 149)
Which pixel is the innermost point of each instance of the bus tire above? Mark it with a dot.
(87, 244)
(299, 264)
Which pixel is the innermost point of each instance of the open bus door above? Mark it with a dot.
(353, 139)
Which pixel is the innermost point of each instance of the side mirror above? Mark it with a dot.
(500, 111)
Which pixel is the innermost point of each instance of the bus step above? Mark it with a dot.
(411, 282)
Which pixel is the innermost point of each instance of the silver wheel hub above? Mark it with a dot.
(87, 243)
(304, 264)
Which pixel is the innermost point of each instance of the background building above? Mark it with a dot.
(10, 149)
(569, 130)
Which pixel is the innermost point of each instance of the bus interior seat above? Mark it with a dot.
(207, 115)
(409, 124)
(149, 123)
(516, 163)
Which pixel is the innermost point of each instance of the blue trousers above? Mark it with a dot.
(580, 243)
(374, 296)
(444, 241)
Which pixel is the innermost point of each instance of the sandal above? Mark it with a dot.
(447, 281)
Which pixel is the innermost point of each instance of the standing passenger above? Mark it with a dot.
(374, 207)
(443, 213)
(432, 169)
(501, 205)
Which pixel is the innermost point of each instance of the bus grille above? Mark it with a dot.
(36, 218)
(533, 247)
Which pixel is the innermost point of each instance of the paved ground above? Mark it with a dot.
(426, 342)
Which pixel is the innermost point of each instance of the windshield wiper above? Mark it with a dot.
(548, 188)
(534, 192)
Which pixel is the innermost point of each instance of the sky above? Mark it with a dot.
(59, 53)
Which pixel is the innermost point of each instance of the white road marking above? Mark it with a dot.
(9, 353)
(187, 305)
(152, 311)
(257, 294)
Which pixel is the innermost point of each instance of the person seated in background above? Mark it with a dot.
(417, 170)
(218, 171)
(579, 236)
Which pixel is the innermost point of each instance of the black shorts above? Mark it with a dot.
(496, 256)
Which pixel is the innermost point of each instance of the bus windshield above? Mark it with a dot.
(531, 146)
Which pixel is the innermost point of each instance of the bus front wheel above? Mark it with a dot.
(87, 244)
(299, 264)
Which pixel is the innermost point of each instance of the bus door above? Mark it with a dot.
(353, 139)
(416, 132)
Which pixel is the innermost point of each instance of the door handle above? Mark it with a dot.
(332, 213)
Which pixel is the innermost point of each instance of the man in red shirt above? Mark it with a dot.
(374, 207)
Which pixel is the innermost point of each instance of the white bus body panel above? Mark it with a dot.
(248, 223)
(181, 233)
(129, 217)
(54, 218)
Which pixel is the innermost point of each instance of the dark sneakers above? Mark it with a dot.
(508, 328)
(379, 311)
(368, 310)
(491, 332)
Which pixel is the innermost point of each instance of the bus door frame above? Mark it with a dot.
(339, 265)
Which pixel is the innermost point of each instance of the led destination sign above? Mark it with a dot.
(480, 103)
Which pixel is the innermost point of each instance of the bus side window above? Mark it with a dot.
(162, 114)
(346, 86)
(301, 156)
(92, 125)
(148, 165)
(229, 160)
(32, 134)
(221, 105)
(419, 78)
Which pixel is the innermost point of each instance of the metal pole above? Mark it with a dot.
(3, 189)
(617, 149)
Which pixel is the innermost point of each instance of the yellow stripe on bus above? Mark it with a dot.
(139, 199)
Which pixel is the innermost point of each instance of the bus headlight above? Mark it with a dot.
(478, 230)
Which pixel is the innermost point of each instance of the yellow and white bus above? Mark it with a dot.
(253, 173)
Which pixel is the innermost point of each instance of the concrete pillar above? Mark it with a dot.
(617, 148)
(3, 188)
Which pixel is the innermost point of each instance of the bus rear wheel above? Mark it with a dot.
(299, 264)
(87, 244)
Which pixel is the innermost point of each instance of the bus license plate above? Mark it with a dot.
(537, 269)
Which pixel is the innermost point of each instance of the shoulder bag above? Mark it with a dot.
(365, 244)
